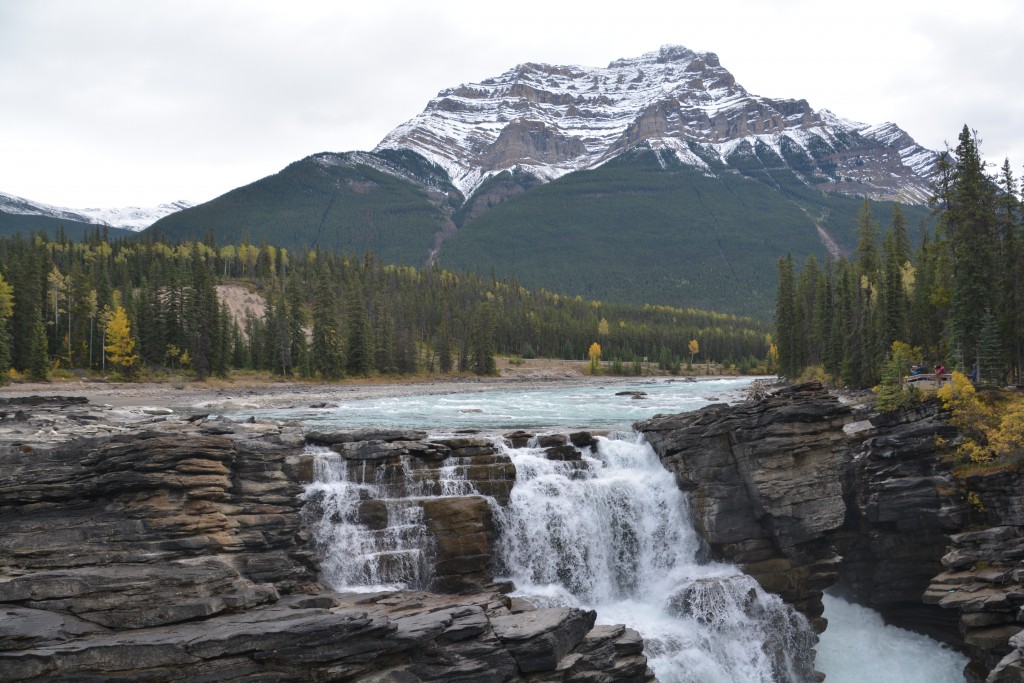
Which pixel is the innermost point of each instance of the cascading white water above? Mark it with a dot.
(367, 519)
(612, 533)
(609, 532)
(356, 555)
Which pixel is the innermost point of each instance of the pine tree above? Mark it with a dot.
(297, 321)
(969, 224)
(989, 351)
(326, 342)
(896, 257)
(482, 342)
(223, 353)
(444, 352)
(786, 333)
(1011, 273)
(359, 352)
(39, 359)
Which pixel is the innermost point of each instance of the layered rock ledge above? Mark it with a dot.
(159, 547)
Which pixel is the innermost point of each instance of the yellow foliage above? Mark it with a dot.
(694, 347)
(1008, 439)
(6, 299)
(989, 434)
(120, 344)
(594, 353)
(960, 397)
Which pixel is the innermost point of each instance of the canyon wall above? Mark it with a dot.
(806, 492)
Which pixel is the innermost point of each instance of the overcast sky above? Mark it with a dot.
(108, 103)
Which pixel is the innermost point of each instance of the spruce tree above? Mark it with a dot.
(359, 351)
(1010, 274)
(482, 351)
(895, 306)
(326, 342)
(787, 334)
(39, 359)
(969, 223)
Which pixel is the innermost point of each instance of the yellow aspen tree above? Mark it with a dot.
(595, 358)
(120, 345)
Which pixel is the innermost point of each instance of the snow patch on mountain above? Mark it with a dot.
(128, 218)
(553, 120)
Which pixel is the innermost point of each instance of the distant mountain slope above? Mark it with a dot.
(132, 218)
(393, 204)
(646, 227)
(548, 121)
(22, 224)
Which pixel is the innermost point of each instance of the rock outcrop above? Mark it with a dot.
(172, 548)
(765, 484)
(804, 492)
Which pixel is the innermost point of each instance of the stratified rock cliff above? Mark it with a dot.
(765, 483)
(164, 548)
(804, 493)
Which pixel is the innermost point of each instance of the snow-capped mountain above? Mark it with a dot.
(552, 120)
(129, 218)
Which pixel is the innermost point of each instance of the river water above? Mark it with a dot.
(611, 533)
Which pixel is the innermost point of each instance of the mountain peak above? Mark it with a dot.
(549, 120)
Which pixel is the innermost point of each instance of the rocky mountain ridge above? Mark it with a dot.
(551, 120)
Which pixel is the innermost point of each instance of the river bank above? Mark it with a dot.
(269, 393)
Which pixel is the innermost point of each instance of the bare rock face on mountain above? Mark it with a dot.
(546, 121)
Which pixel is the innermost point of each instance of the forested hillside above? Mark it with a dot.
(335, 202)
(133, 306)
(647, 228)
(54, 228)
(956, 298)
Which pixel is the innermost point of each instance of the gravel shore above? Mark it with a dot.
(269, 394)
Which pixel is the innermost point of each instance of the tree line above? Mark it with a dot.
(132, 305)
(956, 299)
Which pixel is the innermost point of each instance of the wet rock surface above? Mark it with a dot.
(145, 547)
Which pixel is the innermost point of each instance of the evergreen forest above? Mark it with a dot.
(954, 299)
(130, 308)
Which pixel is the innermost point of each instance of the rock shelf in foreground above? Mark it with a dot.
(147, 547)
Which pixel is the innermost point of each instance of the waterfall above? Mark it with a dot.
(612, 532)
(366, 524)
(609, 531)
